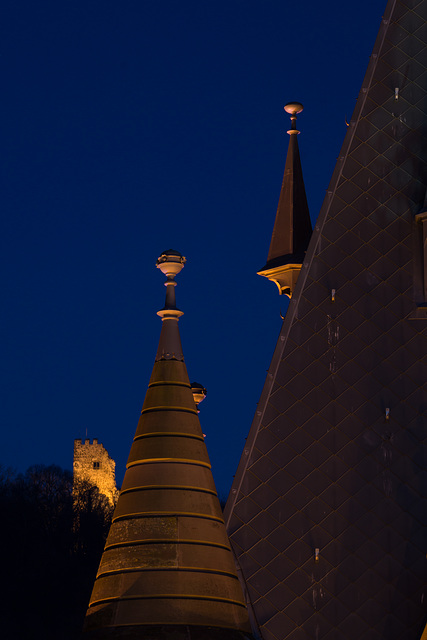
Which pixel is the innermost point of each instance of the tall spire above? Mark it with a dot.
(167, 570)
(292, 227)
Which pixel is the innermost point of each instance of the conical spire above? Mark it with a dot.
(292, 227)
(167, 570)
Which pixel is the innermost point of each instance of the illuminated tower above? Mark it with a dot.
(167, 571)
(327, 513)
(92, 464)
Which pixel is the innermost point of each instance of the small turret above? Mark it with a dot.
(292, 227)
(199, 393)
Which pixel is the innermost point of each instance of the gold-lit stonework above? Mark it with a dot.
(93, 465)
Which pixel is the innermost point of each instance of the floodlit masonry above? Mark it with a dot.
(93, 464)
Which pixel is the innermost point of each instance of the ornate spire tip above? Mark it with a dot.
(170, 263)
(293, 108)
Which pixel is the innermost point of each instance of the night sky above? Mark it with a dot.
(132, 127)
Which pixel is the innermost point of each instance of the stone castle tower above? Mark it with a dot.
(93, 464)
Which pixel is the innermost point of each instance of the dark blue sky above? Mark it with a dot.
(128, 128)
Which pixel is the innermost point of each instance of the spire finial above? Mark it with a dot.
(170, 263)
(293, 108)
(199, 393)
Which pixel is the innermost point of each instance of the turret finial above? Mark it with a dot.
(170, 263)
(293, 108)
(199, 393)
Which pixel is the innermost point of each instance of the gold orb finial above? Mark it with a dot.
(293, 108)
(170, 263)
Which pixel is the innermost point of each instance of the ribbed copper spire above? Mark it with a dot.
(167, 570)
(292, 227)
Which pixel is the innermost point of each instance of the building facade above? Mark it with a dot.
(327, 513)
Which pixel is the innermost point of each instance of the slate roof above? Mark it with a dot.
(327, 513)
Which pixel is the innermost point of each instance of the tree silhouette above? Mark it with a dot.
(51, 541)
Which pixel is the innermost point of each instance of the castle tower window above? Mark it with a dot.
(96, 465)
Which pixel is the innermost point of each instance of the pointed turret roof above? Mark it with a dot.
(167, 570)
(292, 227)
(327, 510)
